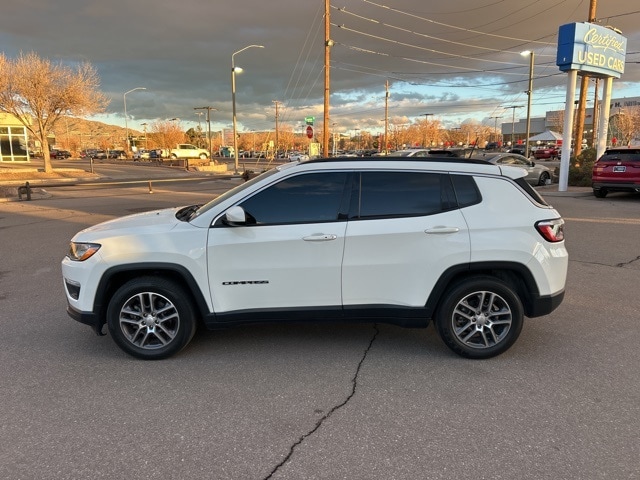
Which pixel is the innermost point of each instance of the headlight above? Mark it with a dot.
(82, 251)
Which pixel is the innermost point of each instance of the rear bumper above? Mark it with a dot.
(616, 186)
(544, 305)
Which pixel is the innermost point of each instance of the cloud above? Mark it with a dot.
(458, 59)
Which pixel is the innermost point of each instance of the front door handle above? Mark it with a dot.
(320, 237)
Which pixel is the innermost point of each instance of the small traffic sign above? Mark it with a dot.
(310, 131)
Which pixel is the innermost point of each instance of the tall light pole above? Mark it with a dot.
(126, 124)
(529, 92)
(233, 102)
(513, 120)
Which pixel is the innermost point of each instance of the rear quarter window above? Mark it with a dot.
(530, 191)
(466, 190)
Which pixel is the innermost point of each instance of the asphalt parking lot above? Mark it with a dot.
(318, 401)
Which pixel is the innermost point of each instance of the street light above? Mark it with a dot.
(126, 125)
(233, 102)
(529, 91)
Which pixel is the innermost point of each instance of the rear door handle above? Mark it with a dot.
(442, 229)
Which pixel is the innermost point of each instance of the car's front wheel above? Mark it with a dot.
(151, 318)
(203, 156)
(480, 317)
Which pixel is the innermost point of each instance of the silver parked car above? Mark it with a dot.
(410, 152)
(537, 174)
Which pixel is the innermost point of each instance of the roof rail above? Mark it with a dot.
(400, 159)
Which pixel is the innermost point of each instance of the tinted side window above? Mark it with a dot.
(305, 198)
(401, 194)
(467, 192)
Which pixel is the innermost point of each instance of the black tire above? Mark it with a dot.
(480, 317)
(544, 176)
(151, 318)
(203, 156)
(600, 192)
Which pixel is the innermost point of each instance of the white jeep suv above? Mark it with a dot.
(465, 243)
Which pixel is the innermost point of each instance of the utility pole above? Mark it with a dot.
(513, 120)
(277, 103)
(582, 102)
(426, 128)
(208, 109)
(495, 129)
(328, 43)
(386, 115)
(144, 126)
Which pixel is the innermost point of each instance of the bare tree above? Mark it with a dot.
(167, 134)
(625, 125)
(38, 92)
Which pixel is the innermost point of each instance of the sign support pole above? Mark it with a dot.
(567, 130)
(603, 120)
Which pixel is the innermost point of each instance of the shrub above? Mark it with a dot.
(580, 168)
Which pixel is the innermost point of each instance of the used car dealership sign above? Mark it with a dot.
(593, 49)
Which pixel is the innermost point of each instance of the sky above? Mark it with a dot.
(458, 60)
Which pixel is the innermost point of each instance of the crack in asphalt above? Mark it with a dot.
(354, 386)
(624, 264)
(617, 265)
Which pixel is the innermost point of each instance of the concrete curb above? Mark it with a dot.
(553, 191)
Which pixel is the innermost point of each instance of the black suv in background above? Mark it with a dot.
(618, 170)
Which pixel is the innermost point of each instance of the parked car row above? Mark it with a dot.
(155, 154)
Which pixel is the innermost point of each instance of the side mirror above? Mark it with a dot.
(235, 216)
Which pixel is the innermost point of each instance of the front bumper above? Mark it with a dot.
(88, 318)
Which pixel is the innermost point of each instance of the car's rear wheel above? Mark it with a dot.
(203, 156)
(600, 192)
(544, 176)
(151, 318)
(480, 317)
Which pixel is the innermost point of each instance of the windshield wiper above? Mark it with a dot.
(185, 214)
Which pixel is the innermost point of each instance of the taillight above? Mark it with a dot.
(551, 230)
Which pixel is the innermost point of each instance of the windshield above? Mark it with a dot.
(229, 193)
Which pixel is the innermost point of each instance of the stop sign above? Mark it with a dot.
(310, 131)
